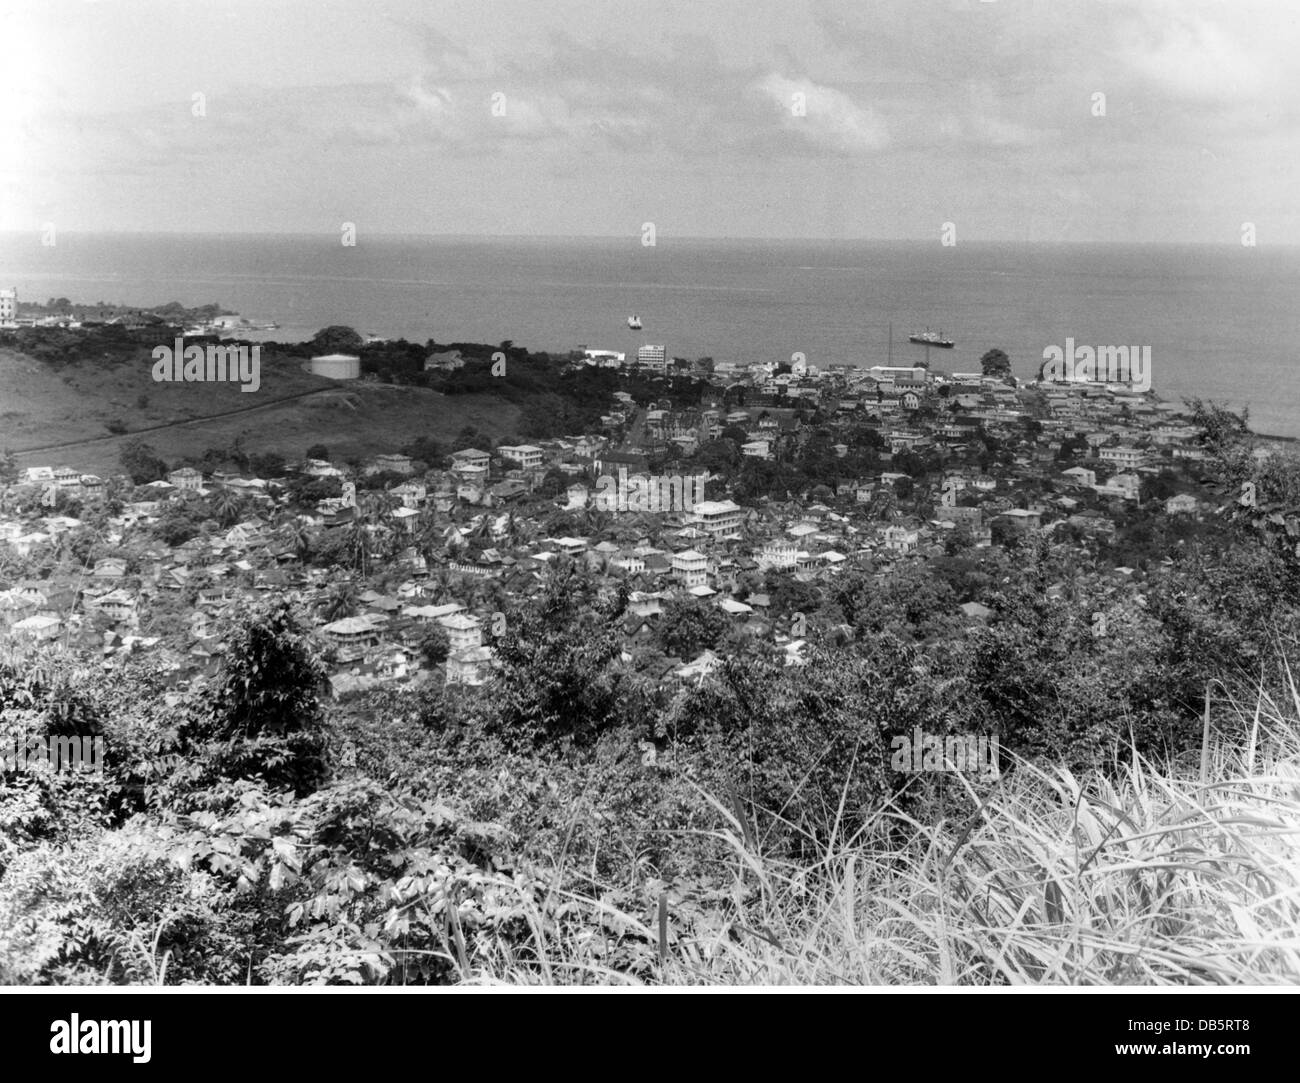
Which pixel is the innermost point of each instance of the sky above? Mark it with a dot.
(1012, 120)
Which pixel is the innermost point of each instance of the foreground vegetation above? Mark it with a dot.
(579, 820)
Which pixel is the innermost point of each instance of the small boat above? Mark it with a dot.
(634, 322)
(931, 338)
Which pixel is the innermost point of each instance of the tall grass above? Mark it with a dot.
(1142, 874)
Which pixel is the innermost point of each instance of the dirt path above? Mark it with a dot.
(18, 454)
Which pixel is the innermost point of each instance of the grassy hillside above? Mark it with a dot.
(41, 405)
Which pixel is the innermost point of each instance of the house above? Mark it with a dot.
(507, 490)
(352, 634)
(187, 479)
(427, 614)
(463, 631)
(1081, 476)
(41, 627)
(778, 554)
(627, 562)
(898, 539)
(1023, 518)
(470, 462)
(411, 493)
(394, 464)
(526, 455)
(117, 605)
(445, 361)
(700, 668)
(690, 568)
(1182, 504)
(470, 666)
(717, 517)
(109, 568)
(66, 478)
(320, 468)
(1124, 457)
(1123, 486)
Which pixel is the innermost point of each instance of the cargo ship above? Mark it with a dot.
(931, 338)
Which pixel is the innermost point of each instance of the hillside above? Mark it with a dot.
(42, 406)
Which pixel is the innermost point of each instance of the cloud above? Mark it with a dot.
(824, 116)
(1190, 59)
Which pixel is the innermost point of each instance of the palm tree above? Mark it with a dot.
(360, 545)
(341, 602)
(293, 533)
(226, 506)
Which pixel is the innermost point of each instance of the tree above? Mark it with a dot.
(179, 522)
(267, 464)
(227, 505)
(557, 678)
(435, 645)
(340, 602)
(424, 447)
(689, 626)
(264, 718)
(336, 339)
(141, 463)
(294, 534)
(318, 451)
(995, 363)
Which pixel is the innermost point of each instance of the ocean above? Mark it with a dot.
(1222, 323)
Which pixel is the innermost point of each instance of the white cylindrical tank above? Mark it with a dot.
(337, 366)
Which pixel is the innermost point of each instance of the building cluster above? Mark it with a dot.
(451, 543)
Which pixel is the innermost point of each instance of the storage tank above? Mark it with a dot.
(337, 366)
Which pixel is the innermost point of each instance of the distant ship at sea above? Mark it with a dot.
(931, 338)
(634, 322)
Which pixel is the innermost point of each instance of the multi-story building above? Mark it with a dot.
(691, 568)
(526, 455)
(718, 518)
(654, 358)
(1125, 457)
(463, 632)
(778, 554)
(899, 539)
(186, 478)
(8, 305)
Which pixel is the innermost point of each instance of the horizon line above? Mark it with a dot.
(633, 237)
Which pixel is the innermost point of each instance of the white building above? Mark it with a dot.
(691, 568)
(654, 358)
(463, 632)
(1126, 457)
(899, 539)
(186, 478)
(718, 517)
(526, 455)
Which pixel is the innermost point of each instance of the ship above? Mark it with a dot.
(634, 322)
(931, 338)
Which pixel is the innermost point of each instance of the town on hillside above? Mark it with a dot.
(411, 561)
